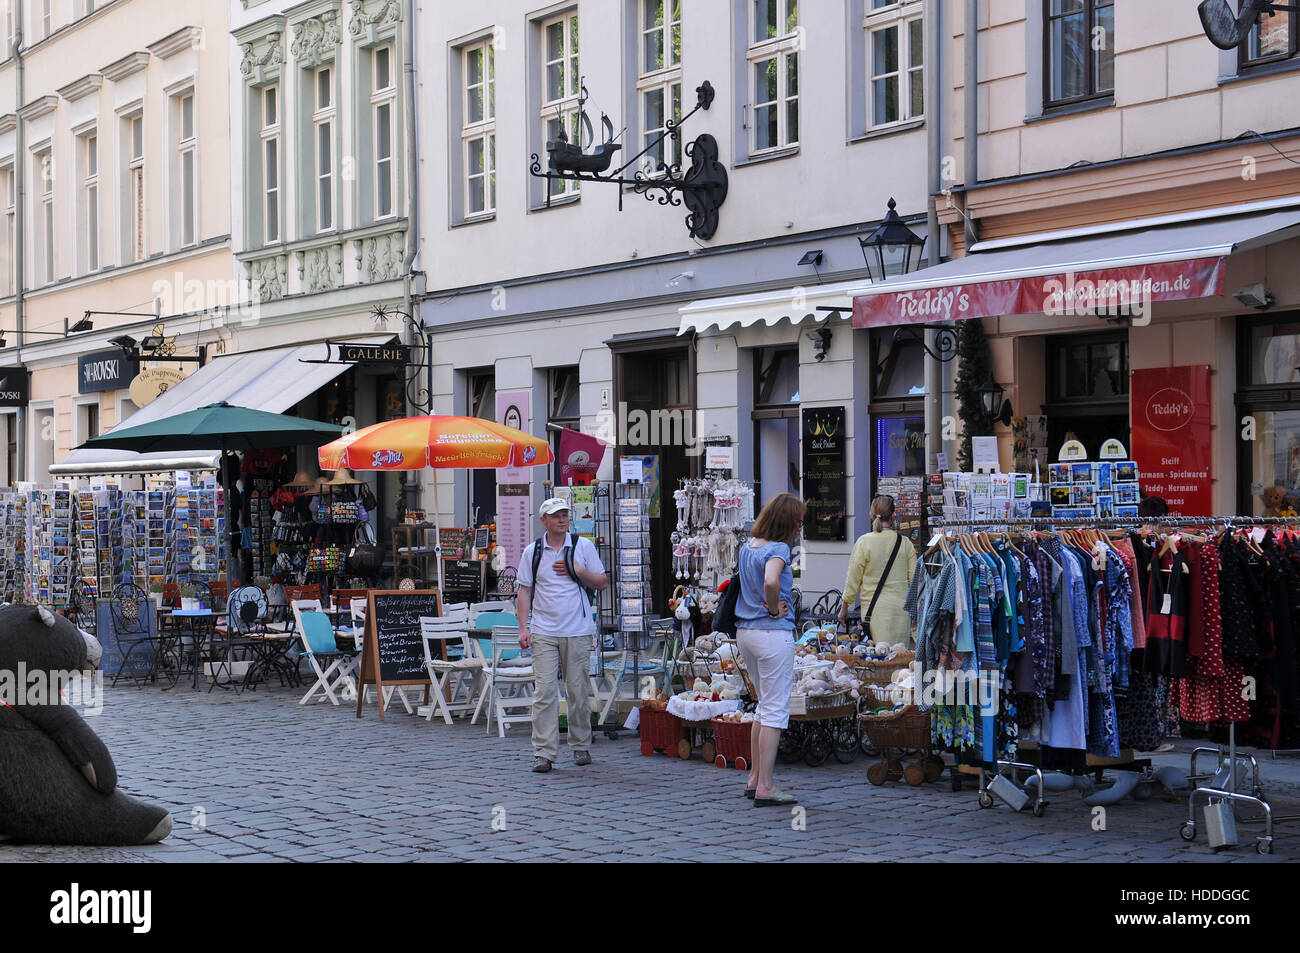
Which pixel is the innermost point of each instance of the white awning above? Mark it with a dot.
(769, 307)
(1172, 263)
(272, 380)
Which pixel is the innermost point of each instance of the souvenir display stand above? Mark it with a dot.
(713, 520)
(631, 570)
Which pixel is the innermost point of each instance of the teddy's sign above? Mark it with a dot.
(1172, 444)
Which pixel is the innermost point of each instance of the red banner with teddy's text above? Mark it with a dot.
(1171, 415)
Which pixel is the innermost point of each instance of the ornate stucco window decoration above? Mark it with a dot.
(261, 50)
(372, 20)
(317, 32)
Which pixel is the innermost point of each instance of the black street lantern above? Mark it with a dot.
(996, 408)
(891, 237)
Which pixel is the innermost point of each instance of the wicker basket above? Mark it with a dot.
(882, 673)
(733, 743)
(832, 700)
(660, 730)
(906, 728)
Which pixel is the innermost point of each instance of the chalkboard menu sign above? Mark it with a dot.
(394, 647)
(825, 480)
(466, 578)
(455, 542)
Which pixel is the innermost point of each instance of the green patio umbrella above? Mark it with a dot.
(219, 426)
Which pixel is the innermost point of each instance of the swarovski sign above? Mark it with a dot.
(104, 370)
(15, 387)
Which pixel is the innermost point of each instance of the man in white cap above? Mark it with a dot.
(555, 618)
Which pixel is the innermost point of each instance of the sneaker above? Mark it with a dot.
(582, 757)
(541, 765)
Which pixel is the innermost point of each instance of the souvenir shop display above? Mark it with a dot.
(1076, 645)
(50, 539)
(99, 539)
(908, 493)
(13, 544)
(984, 496)
(713, 520)
(631, 563)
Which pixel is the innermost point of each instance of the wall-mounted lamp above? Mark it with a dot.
(676, 280)
(997, 408)
(1255, 296)
(821, 340)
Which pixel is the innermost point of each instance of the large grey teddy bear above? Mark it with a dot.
(58, 784)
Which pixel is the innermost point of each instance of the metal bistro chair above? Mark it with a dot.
(242, 633)
(130, 608)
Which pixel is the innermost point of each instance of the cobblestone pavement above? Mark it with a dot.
(256, 777)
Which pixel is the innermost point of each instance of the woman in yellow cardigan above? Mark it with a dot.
(889, 620)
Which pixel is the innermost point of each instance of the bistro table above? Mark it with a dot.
(200, 624)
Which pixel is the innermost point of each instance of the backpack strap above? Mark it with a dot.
(537, 559)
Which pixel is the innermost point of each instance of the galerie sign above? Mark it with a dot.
(1172, 444)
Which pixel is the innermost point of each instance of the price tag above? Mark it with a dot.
(934, 540)
(1167, 607)
(631, 471)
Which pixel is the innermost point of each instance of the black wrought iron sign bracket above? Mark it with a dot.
(419, 363)
(945, 336)
(702, 187)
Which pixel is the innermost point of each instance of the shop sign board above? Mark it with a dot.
(1085, 293)
(514, 524)
(152, 382)
(15, 387)
(371, 353)
(1171, 417)
(514, 410)
(825, 479)
(104, 370)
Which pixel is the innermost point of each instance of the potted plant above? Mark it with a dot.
(188, 602)
(156, 595)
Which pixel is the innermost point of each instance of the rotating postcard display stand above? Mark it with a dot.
(632, 572)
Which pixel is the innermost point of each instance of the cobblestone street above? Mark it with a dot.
(256, 777)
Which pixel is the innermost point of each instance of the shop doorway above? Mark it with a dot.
(1087, 391)
(654, 386)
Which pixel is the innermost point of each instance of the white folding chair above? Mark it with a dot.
(510, 680)
(316, 633)
(446, 674)
(478, 608)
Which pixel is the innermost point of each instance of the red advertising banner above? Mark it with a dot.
(580, 458)
(1127, 289)
(1171, 414)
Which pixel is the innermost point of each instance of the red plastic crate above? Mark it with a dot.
(660, 730)
(732, 739)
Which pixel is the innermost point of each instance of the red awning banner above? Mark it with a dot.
(1116, 290)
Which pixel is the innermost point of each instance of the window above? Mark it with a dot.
(133, 188)
(1079, 45)
(323, 126)
(186, 171)
(270, 158)
(659, 84)
(1273, 38)
(560, 87)
(47, 17)
(479, 129)
(11, 25)
(1268, 376)
(45, 220)
(383, 99)
(773, 60)
(896, 52)
(776, 421)
(8, 280)
(88, 224)
(87, 420)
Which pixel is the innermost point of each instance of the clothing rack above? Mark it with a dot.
(1215, 790)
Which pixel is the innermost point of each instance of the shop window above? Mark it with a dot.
(776, 422)
(1268, 410)
(1088, 370)
(900, 446)
(482, 395)
(1078, 50)
(562, 408)
(1272, 39)
(898, 365)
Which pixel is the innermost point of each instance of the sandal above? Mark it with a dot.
(780, 800)
(749, 793)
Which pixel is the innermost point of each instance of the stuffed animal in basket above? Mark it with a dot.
(58, 784)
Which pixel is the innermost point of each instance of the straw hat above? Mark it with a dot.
(343, 477)
(301, 481)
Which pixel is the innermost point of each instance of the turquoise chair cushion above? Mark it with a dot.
(319, 632)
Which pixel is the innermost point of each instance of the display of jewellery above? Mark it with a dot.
(713, 517)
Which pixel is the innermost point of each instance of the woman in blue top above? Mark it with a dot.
(765, 635)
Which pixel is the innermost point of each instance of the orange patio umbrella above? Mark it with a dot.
(414, 443)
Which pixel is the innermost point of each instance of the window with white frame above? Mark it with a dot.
(133, 230)
(323, 126)
(560, 87)
(8, 283)
(773, 60)
(47, 17)
(185, 227)
(88, 211)
(44, 264)
(383, 110)
(269, 155)
(11, 25)
(86, 7)
(479, 129)
(896, 57)
(659, 81)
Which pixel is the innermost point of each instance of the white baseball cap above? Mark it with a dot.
(553, 505)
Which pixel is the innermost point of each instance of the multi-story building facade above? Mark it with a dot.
(113, 129)
(1111, 142)
(598, 305)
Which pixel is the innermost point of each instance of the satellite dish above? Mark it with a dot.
(1228, 30)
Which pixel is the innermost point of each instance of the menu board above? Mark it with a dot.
(455, 542)
(394, 649)
(825, 480)
(465, 578)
